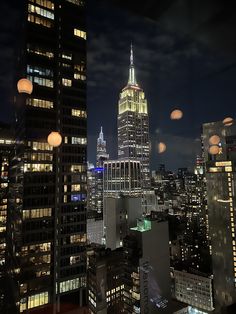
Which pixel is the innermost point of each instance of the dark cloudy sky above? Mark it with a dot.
(184, 59)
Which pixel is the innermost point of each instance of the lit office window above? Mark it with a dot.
(44, 3)
(79, 33)
(75, 187)
(66, 82)
(37, 167)
(39, 71)
(37, 213)
(67, 56)
(41, 81)
(78, 238)
(79, 113)
(40, 21)
(40, 146)
(37, 10)
(78, 168)
(79, 73)
(37, 300)
(79, 140)
(77, 2)
(72, 284)
(41, 103)
(40, 51)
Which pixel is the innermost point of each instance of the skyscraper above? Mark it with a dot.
(221, 185)
(133, 124)
(101, 150)
(47, 220)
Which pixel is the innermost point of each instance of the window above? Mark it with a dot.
(78, 168)
(79, 140)
(37, 213)
(66, 82)
(39, 71)
(67, 56)
(37, 167)
(78, 238)
(79, 33)
(37, 300)
(78, 76)
(79, 72)
(37, 10)
(41, 81)
(79, 113)
(41, 103)
(41, 21)
(40, 51)
(40, 146)
(75, 187)
(72, 284)
(77, 2)
(44, 3)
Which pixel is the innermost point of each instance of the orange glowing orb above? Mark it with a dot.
(176, 114)
(214, 140)
(161, 147)
(25, 86)
(54, 139)
(228, 121)
(214, 150)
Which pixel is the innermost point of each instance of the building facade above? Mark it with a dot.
(47, 224)
(220, 176)
(194, 290)
(133, 124)
(147, 268)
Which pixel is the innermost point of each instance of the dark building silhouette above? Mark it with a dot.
(47, 216)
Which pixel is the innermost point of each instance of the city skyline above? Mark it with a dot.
(175, 69)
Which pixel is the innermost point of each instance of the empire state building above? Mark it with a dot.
(133, 124)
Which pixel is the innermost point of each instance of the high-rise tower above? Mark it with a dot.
(47, 218)
(133, 124)
(221, 187)
(101, 150)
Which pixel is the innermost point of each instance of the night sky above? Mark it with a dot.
(186, 58)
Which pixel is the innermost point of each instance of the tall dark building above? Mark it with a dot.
(47, 220)
(221, 184)
(6, 149)
(133, 124)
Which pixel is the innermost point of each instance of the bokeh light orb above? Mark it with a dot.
(54, 139)
(176, 114)
(161, 147)
(25, 86)
(228, 121)
(214, 150)
(214, 140)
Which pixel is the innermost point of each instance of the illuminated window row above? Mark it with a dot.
(37, 213)
(37, 167)
(66, 82)
(79, 140)
(37, 300)
(40, 146)
(41, 52)
(37, 10)
(40, 21)
(78, 168)
(39, 71)
(44, 3)
(79, 113)
(78, 76)
(77, 2)
(67, 56)
(72, 284)
(78, 238)
(41, 81)
(79, 33)
(41, 103)
(41, 247)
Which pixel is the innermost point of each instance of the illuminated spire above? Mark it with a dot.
(132, 77)
(101, 135)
